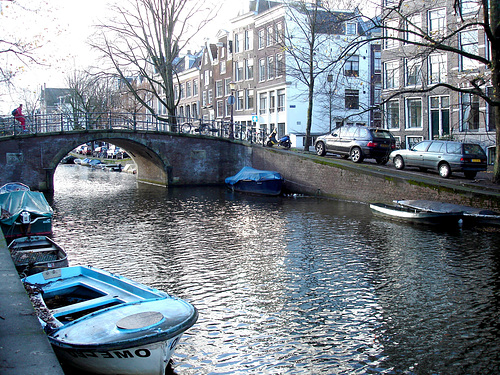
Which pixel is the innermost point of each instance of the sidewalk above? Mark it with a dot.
(24, 347)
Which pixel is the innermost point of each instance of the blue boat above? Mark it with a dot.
(25, 213)
(102, 323)
(255, 181)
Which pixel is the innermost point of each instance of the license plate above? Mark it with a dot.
(384, 145)
(476, 160)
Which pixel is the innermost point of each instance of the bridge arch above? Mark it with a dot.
(161, 158)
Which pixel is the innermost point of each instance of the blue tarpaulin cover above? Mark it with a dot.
(12, 204)
(249, 173)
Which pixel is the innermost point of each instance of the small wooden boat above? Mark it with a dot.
(414, 215)
(255, 181)
(25, 213)
(470, 215)
(106, 324)
(36, 254)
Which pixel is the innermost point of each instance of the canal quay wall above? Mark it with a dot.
(307, 173)
(24, 347)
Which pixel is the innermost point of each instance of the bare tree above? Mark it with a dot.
(400, 24)
(143, 42)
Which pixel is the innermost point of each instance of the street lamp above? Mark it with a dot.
(230, 100)
(330, 80)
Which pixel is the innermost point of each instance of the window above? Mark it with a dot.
(350, 28)
(412, 141)
(351, 67)
(391, 33)
(194, 110)
(280, 66)
(227, 86)
(469, 112)
(249, 98)
(220, 108)
(240, 100)
(437, 68)
(262, 103)
(278, 32)
(437, 21)
(272, 102)
(188, 89)
(210, 96)
(391, 74)
(491, 123)
(469, 43)
(176, 92)
(377, 61)
(281, 100)
(262, 70)
(414, 110)
(238, 71)
(469, 7)
(248, 40)
(377, 94)
(262, 40)
(270, 67)
(236, 43)
(207, 78)
(183, 90)
(195, 87)
(222, 67)
(204, 99)
(249, 69)
(440, 115)
(392, 114)
(219, 89)
(351, 99)
(413, 72)
(413, 27)
(269, 36)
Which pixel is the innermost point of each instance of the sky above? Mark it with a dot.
(61, 29)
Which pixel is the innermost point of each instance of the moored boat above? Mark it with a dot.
(25, 213)
(106, 324)
(470, 215)
(255, 181)
(36, 254)
(413, 215)
(13, 186)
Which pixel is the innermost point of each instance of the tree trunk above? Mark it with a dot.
(495, 80)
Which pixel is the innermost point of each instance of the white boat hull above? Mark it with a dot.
(149, 359)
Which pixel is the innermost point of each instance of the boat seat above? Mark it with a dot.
(86, 305)
(39, 250)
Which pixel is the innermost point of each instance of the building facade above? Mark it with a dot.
(418, 82)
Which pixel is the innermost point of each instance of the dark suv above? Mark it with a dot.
(358, 143)
(443, 156)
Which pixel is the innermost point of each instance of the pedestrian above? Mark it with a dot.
(18, 115)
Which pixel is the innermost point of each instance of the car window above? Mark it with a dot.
(454, 148)
(473, 149)
(349, 132)
(337, 132)
(363, 133)
(436, 147)
(379, 133)
(421, 146)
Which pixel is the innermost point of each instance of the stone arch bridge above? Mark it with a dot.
(162, 157)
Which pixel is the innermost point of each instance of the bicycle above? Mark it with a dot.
(206, 129)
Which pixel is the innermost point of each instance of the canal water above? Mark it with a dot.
(292, 285)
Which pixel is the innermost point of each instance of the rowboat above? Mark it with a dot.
(102, 323)
(36, 254)
(471, 215)
(255, 181)
(414, 215)
(25, 213)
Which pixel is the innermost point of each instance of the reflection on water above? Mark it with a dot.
(291, 285)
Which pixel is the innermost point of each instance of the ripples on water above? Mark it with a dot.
(291, 285)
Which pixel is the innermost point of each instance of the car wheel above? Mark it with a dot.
(444, 170)
(470, 175)
(382, 161)
(356, 155)
(320, 149)
(399, 163)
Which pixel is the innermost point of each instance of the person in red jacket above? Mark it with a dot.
(19, 116)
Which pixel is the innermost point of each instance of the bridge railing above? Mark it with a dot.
(63, 122)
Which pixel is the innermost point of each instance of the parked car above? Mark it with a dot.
(358, 143)
(445, 157)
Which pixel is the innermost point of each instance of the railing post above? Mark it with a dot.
(135, 122)
(62, 122)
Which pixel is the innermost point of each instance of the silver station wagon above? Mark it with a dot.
(444, 157)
